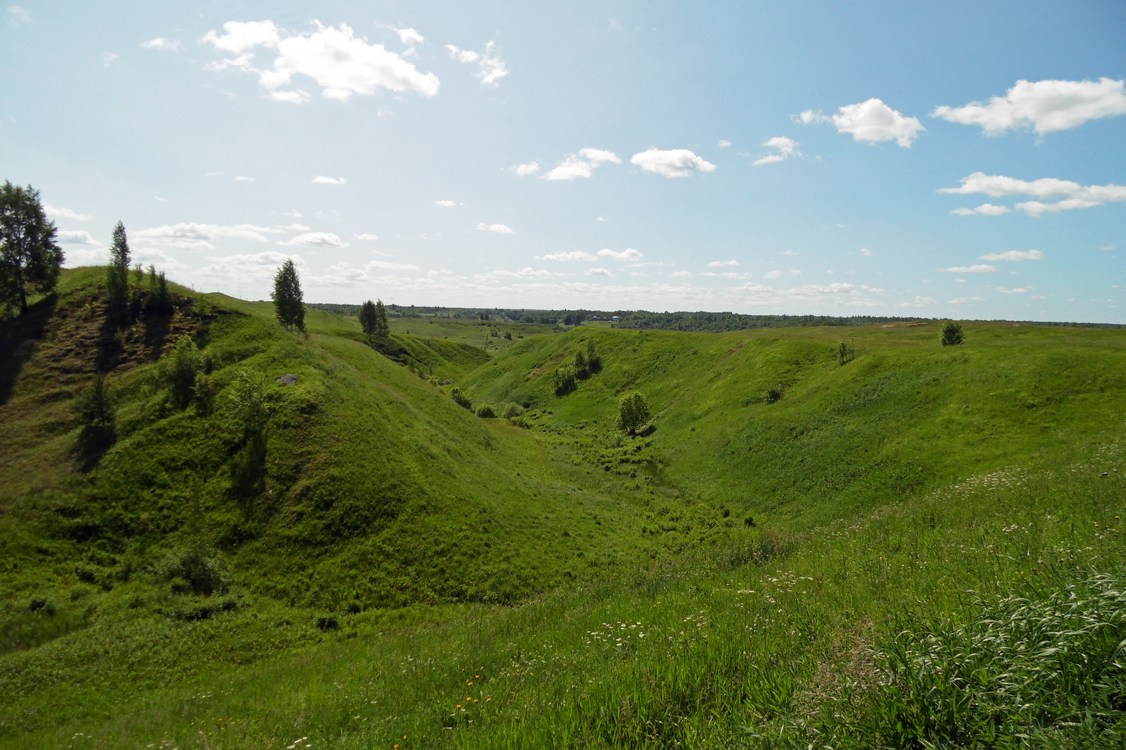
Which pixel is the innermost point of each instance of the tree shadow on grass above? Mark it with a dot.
(19, 337)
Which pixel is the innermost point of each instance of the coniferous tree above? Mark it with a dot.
(382, 329)
(30, 258)
(368, 319)
(288, 301)
(117, 275)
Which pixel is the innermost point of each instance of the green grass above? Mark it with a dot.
(746, 573)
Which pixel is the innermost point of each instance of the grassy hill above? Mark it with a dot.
(768, 564)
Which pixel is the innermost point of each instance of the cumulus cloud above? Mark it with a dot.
(629, 254)
(243, 178)
(966, 300)
(446, 203)
(409, 37)
(1068, 195)
(490, 67)
(1014, 290)
(1015, 255)
(338, 61)
(58, 212)
(581, 164)
(784, 148)
(168, 45)
(722, 263)
(975, 268)
(871, 121)
(676, 162)
(315, 239)
(865, 252)
(18, 15)
(366, 237)
(193, 236)
(724, 143)
(599, 272)
(985, 209)
(78, 237)
(568, 256)
(1044, 106)
(527, 170)
(495, 228)
(681, 274)
(322, 180)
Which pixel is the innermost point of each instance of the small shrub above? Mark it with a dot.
(461, 399)
(42, 606)
(512, 411)
(952, 333)
(774, 394)
(182, 368)
(845, 354)
(198, 569)
(325, 623)
(486, 412)
(99, 430)
(564, 379)
(633, 412)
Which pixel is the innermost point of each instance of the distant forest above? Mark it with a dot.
(643, 319)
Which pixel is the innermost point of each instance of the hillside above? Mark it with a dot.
(363, 562)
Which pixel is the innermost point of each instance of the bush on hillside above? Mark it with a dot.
(182, 368)
(486, 412)
(951, 333)
(198, 569)
(564, 379)
(461, 399)
(99, 430)
(633, 412)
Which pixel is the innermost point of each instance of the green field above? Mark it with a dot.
(907, 546)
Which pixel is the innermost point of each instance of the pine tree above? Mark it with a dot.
(382, 329)
(117, 275)
(288, 302)
(368, 319)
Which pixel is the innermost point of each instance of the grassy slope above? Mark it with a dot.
(382, 492)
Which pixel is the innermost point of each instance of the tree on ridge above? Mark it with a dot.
(288, 301)
(30, 259)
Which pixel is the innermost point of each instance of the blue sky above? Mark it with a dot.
(962, 160)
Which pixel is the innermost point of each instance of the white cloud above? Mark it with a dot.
(495, 228)
(193, 236)
(1071, 195)
(1015, 290)
(409, 37)
(784, 148)
(385, 265)
(168, 45)
(58, 212)
(78, 237)
(322, 180)
(722, 263)
(239, 36)
(109, 58)
(582, 164)
(599, 272)
(527, 170)
(243, 178)
(621, 255)
(871, 121)
(975, 268)
(341, 63)
(17, 15)
(315, 239)
(601, 219)
(964, 300)
(985, 209)
(446, 203)
(676, 162)
(772, 275)
(724, 143)
(1015, 255)
(569, 255)
(681, 274)
(865, 252)
(789, 252)
(1045, 106)
(490, 67)
(366, 237)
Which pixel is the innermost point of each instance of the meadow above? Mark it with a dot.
(829, 537)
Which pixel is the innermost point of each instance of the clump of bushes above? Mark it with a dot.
(461, 399)
(486, 412)
(565, 380)
(198, 569)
